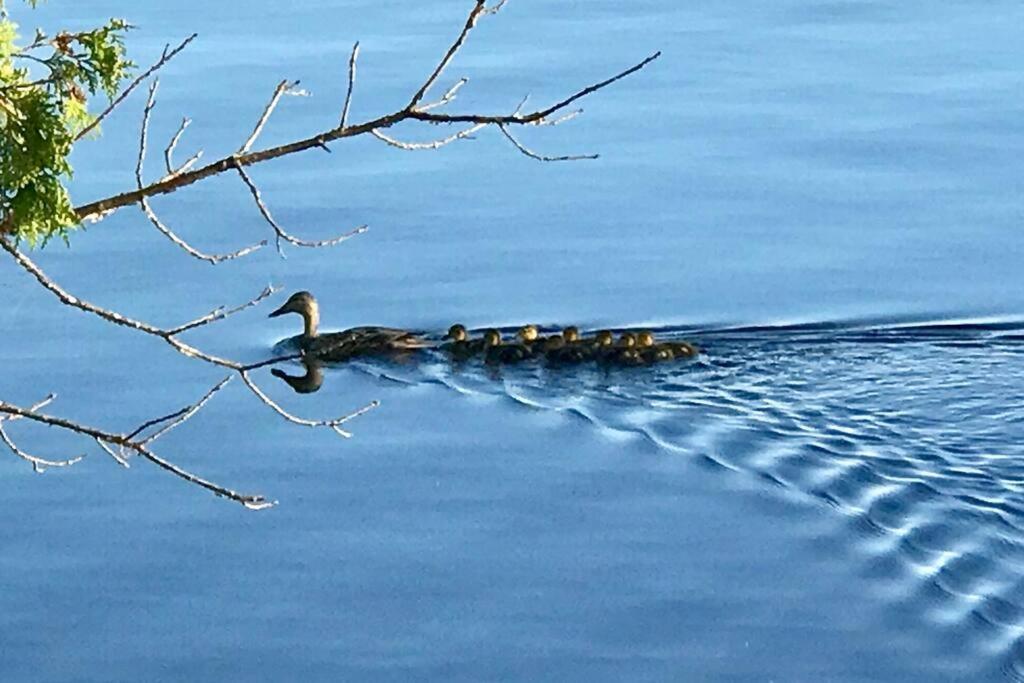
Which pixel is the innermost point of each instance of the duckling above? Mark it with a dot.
(529, 338)
(622, 353)
(649, 351)
(461, 346)
(601, 340)
(496, 352)
(572, 349)
(339, 346)
(682, 349)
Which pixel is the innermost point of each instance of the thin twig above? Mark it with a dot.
(254, 502)
(38, 464)
(35, 406)
(166, 57)
(280, 90)
(144, 203)
(144, 131)
(185, 413)
(447, 97)
(273, 361)
(189, 163)
(221, 313)
(168, 335)
(448, 56)
(435, 144)
(332, 423)
(118, 458)
(280, 232)
(351, 84)
(496, 7)
(188, 248)
(533, 155)
(560, 120)
(169, 150)
(318, 141)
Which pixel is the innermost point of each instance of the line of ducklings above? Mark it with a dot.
(566, 347)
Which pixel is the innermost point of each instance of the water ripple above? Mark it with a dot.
(914, 432)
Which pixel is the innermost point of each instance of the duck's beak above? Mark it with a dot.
(281, 311)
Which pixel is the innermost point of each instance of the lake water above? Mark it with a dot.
(825, 195)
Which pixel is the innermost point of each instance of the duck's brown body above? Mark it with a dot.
(340, 346)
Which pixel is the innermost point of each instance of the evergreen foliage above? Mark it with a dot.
(45, 87)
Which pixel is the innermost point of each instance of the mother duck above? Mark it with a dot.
(339, 346)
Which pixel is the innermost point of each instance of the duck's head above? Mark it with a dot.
(627, 339)
(528, 333)
(604, 338)
(571, 334)
(492, 338)
(305, 305)
(645, 339)
(457, 332)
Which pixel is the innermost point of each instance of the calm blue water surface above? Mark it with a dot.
(825, 195)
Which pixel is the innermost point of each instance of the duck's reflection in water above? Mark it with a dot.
(313, 378)
(303, 384)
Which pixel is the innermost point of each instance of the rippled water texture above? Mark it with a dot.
(826, 196)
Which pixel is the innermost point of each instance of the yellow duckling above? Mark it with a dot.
(683, 349)
(654, 352)
(649, 351)
(622, 351)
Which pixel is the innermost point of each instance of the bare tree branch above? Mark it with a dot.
(221, 313)
(254, 502)
(170, 335)
(167, 56)
(533, 155)
(351, 84)
(281, 89)
(496, 8)
(184, 414)
(119, 458)
(332, 423)
(144, 203)
(448, 56)
(38, 464)
(447, 97)
(188, 248)
(435, 144)
(412, 112)
(280, 232)
(169, 153)
(118, 445)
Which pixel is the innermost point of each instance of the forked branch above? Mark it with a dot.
(169, 335)
(105, 439)
(414, 111)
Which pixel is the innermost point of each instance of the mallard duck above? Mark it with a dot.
(339, 346)
(496, 352)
